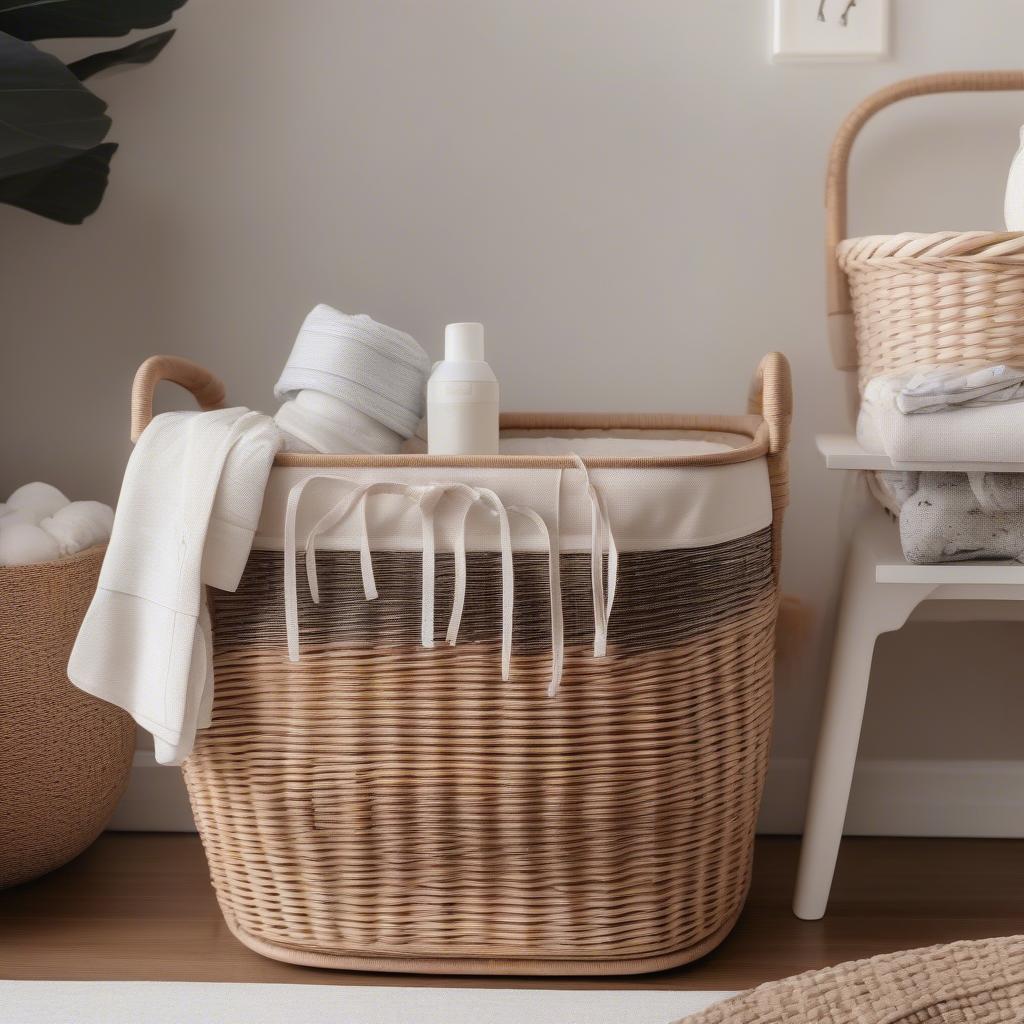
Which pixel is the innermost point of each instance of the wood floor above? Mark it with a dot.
(139, 906)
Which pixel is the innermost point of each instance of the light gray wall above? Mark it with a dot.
(627, 194)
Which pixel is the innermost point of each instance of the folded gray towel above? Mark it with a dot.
(956, 517)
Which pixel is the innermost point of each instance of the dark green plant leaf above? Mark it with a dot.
(140, 52)
(68, 192)
(46, 115)
(63, 19)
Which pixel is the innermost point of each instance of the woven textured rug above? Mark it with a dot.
(979, 982)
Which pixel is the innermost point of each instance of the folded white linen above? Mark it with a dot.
(936, 388)
(378, 370)
(187, 513)
(982, 433)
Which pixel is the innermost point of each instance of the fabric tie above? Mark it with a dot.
(555, 596)
(601, 537)
(428, 498)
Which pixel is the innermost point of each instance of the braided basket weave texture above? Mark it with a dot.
(943, 298)
(978, 982)
(64, 755)
(380, 805)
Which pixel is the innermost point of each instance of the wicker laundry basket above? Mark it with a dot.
(898, 301)
(970, 982)
(64, 756)
(384, 805)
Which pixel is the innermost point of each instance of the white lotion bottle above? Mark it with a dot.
(462, 397)
(1013, 205)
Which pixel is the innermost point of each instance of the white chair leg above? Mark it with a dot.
(867, 609)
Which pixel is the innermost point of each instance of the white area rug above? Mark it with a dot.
(164, 1002)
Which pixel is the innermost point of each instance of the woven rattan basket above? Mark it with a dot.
(971, 982)
(382, 805)
(64, 756)
(898, 301)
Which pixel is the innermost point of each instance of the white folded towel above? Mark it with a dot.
(377, 370)
(975, 433)
(188, 510)
(937, 388)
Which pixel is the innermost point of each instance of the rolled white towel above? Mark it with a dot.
(377, 370)
(80, 525)
(21, 543)
(31, 516)
(38, 497)
(323, 423)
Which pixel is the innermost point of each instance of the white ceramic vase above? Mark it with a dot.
(1013, 205)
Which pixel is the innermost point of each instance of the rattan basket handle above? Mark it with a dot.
(205, 387)
(771, 398)
(840, 316)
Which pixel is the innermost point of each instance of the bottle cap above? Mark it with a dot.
(464, 343)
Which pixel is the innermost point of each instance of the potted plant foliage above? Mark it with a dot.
(65, 757)
(54, 160)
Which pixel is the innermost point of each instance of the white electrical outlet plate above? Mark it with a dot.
(798, 35)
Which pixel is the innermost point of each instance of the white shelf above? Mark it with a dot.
(879, 540)
(842, 451)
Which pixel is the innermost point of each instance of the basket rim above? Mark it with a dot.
(8, 572)
(934, 247)
(755, 428)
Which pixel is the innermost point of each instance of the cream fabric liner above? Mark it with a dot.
(649, 509)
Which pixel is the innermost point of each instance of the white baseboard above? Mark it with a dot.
(962, 799)
(983, 799)
(156, 799)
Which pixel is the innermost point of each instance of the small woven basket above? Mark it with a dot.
(64, 756)
(899, 301)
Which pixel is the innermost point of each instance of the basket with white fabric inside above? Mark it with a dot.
(505, 714)
(914, 300)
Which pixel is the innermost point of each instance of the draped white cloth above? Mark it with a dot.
(189, 505)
